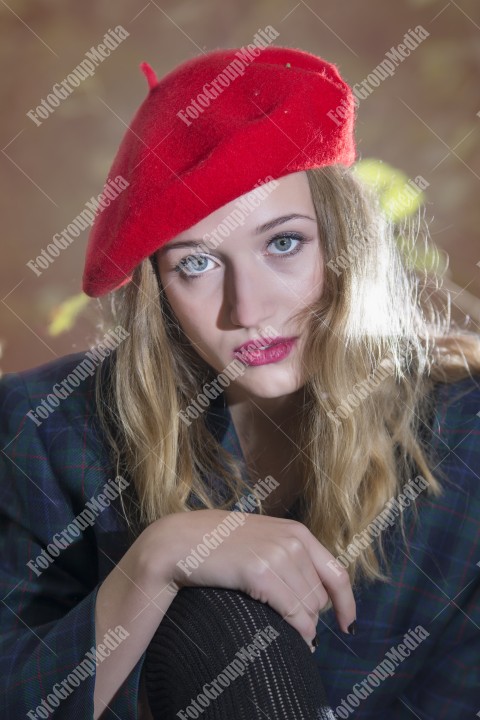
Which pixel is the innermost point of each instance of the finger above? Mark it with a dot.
(334, 578)
(317, 596)
(283, 588)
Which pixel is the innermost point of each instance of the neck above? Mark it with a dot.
(258, 417)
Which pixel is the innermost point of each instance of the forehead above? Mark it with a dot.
(286, 195)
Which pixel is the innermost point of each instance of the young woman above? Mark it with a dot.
(272, 450)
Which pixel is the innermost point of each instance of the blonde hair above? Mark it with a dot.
(376, 318)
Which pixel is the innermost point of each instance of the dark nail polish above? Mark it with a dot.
(352, 628)
(315, 641)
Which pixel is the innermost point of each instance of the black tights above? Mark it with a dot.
(204, 639)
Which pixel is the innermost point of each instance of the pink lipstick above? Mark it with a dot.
(277, 350)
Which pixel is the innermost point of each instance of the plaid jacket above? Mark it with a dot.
(50, 467)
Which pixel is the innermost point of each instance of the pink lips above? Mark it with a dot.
(277, 351)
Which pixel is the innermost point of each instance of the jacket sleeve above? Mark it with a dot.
(385, 672)
(448, 684)
(47, 614)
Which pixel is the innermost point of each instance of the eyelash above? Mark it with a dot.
(291, 235)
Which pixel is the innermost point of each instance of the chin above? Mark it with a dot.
(268, 383)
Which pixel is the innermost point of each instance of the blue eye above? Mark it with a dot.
(199, 261)
(193, 262)
(288, 237)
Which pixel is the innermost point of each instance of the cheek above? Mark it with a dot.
(308, 284)
(315, 285)
(192, 316)
(182, 307)
(314, 280)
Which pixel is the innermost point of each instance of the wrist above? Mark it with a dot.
(152, 563)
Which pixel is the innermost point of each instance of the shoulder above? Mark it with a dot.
(41, 377)
(48, 418)
(446, 535)
(455, 432)
(64, 385)
(457, 403)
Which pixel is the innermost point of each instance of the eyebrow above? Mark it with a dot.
(258, 231)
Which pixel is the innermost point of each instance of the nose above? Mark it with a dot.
(250, 293)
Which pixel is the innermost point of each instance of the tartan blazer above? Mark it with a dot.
(50, 468)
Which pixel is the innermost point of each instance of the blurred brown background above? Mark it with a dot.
(424, 121)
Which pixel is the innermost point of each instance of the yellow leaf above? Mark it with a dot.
(430, 259)
(65, 314)
(399, 197)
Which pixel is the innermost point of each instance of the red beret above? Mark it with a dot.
(209, 131)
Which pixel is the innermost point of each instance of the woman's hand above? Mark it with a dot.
(274, 560)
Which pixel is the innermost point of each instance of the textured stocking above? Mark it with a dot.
(206, 637)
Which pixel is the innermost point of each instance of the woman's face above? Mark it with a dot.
(254, 270)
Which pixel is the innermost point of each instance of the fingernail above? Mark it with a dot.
(314, 644)
(352, 628)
